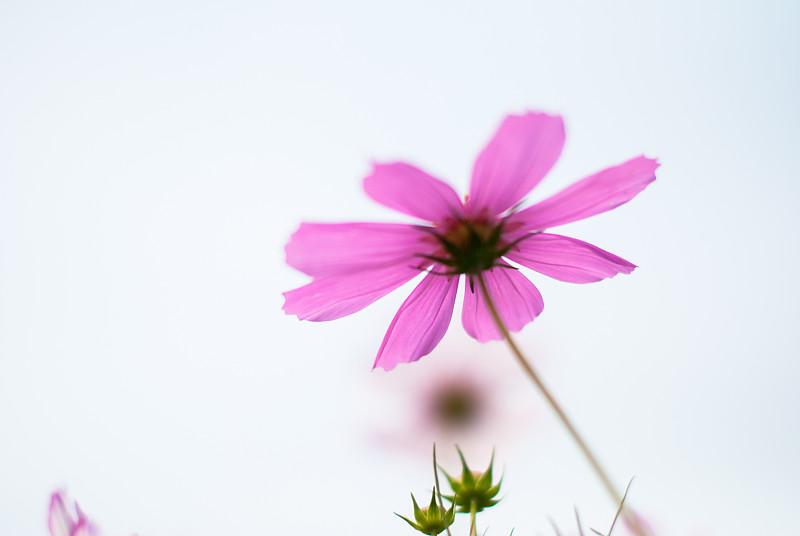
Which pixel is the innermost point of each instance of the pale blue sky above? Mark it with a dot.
(156, 156)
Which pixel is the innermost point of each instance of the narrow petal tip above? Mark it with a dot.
(647, 163)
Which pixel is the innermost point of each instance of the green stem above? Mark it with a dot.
(438, 490)
(473, 511)
(631, 519)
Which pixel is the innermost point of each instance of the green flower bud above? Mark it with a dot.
(430, 519)
(473, 491)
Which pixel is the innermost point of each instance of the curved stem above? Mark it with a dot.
(630, 518)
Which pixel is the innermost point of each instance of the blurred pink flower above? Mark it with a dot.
(62, 523)
(460, 398)
(354, 264)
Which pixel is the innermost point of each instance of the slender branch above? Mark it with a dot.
(578, 521)
(630, 518)
(621, 503)
(439, 490)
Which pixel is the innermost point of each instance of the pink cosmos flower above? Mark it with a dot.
(354, 264)
(62, 523)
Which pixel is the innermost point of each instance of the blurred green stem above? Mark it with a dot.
(473, 511)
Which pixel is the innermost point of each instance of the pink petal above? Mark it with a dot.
(329, 298)
(421, 321)
(410, 190)
(594, 194)
(60, 521)
(519, 155)
(517, 301)
(568, 259)
(323, 250)
(90, 528)
(83, 528)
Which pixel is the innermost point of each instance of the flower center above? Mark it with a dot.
(469, 246)
(457, 406)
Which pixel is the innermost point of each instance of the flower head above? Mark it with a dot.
(354, 264)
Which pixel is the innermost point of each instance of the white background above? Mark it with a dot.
(156, 156)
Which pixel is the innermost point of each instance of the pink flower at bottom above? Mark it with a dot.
(355, 264)
(62, 523)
